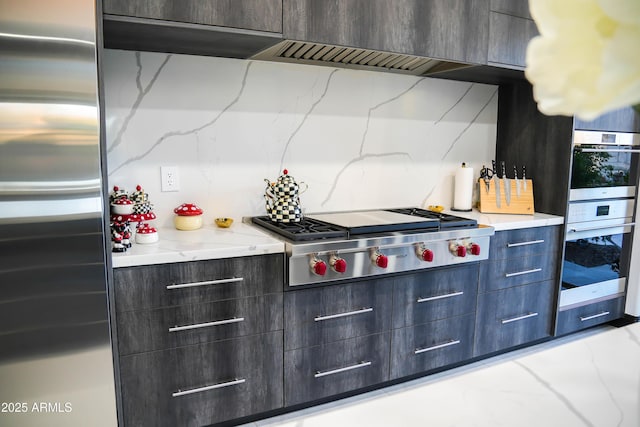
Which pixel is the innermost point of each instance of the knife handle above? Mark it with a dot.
(515, 171)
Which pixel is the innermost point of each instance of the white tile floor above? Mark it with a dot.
(588, 379)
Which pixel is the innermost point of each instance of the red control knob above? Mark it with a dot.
(475, 249)
(318, 267)
(338, 264)
(382, 261)
(426, 255)
(461, 251)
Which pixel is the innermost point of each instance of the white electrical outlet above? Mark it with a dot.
(170, 178)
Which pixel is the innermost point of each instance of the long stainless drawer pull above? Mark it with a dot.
(602, 227)
(349, 313)
(435, 347)
(209, 387)
(608, 150)
(206, 325)
(208, 282)
(337, 371)
(584, 319)
(520, 273)
(531, 242)
(515, 319)
(452, 294)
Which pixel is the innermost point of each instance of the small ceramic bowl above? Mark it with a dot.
(146, 234)
(224, 222)
(122, 206)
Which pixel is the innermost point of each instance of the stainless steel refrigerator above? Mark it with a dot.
(56, 363)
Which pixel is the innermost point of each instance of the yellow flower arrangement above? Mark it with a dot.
(586, 60)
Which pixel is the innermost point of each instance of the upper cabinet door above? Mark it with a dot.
(622, 120)
(512, 7)
(261, 15)
(510, 29)
(454, 30)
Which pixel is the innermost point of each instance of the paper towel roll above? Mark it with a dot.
(463, 192)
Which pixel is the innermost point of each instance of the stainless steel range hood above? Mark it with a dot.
(348, 57)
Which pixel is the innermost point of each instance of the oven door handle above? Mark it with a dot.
(601, 227)
(607, 150)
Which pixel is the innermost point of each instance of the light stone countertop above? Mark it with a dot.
(502, 222)
(209, 242)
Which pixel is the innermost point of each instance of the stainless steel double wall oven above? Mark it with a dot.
(600, 218)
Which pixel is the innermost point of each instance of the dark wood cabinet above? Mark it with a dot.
(203, 384)
(436, 294)
(421, 348)
(200, 342)
(622, 120)
(163, 285)
(514, 316)
(508, 39)
(454, 30)
(261, 15)
(155, 329)
(511, 7)
(516, 301)
(585, 316)
(228, 28)
(320, 371)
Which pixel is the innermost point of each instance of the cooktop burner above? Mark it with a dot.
(447, 221)
(306, 229)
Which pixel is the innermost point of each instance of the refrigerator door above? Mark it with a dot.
(56, 363)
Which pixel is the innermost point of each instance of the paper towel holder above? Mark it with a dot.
(457, 183)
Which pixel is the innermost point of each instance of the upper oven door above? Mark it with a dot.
(604, 165)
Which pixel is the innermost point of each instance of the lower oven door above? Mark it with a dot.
(594, 266)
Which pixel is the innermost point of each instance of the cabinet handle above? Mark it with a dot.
(515, 319)
(520, 273)
(349, 313)
(209, 387)
(531, 242)
(208, 282)
(435, 347)
(584, 319)
(319, 374)
(452, 294)
(206, 325)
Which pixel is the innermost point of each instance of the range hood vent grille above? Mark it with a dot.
(349, 57)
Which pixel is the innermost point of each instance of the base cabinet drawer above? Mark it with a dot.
(333, 313)
(589, 315)
(433, 345)
(513, 316)
(506, 273)
(424, 297)
(162, 328)
(525, 242)
(203, 384)
(195, 282)
(315, 372)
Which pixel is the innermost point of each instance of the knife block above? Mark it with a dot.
(522, 204)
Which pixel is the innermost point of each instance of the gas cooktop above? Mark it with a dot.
(350, 225)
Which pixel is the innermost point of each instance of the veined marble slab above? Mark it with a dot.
(359, 139)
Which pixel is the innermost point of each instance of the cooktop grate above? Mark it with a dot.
(306, 229)
(447, 221)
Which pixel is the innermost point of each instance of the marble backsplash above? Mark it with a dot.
(359, 139)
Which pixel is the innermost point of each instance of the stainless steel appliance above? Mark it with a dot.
(605, 165)
(56, 363)
(600, 217)
(342, 246)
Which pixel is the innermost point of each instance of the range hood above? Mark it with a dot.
(348, 57)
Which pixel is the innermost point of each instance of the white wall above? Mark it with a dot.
(359, 139)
